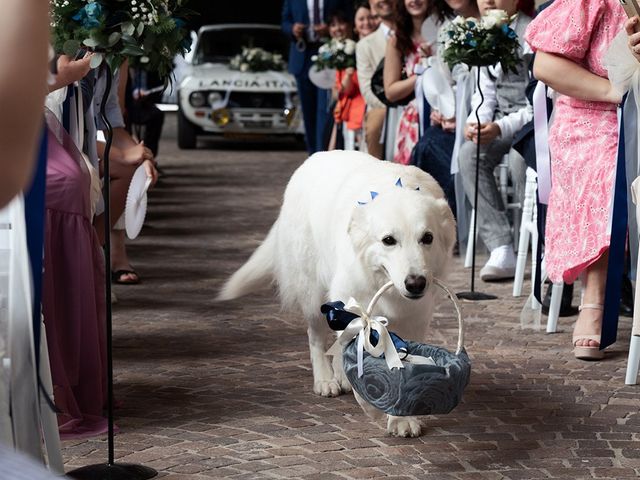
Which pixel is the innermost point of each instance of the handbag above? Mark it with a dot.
(377, 87)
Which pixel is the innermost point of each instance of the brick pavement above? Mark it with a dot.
(224, 390)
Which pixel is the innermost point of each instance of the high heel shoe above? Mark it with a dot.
(588, 353)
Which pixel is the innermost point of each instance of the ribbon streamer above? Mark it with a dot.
(362, 328)
(541, 129)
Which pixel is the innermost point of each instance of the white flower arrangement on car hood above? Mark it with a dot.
(257, 60)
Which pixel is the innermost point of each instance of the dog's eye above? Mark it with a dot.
(389, 240)
(427, 238)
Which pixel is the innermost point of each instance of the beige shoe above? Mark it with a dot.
(588, 353)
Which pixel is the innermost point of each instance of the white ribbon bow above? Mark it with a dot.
(361, 327)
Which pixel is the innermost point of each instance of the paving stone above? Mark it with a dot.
(224, 390)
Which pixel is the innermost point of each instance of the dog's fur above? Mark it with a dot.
(326, 246)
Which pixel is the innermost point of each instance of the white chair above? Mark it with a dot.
(529, 231)
(633, 362)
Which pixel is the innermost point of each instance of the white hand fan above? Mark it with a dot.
(324, 78)
(136, 206)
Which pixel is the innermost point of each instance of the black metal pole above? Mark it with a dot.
(109, 470)
(472, 294)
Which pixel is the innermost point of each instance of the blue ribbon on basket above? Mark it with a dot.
(338, 319)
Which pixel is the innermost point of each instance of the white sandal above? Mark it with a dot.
(588, 353)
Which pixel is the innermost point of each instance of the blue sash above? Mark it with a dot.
(615, 269)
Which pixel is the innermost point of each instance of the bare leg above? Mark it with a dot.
(119, 259)
(590, 320)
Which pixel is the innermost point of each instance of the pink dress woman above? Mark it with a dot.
(408, 126)
(583, 137)
(73, 291)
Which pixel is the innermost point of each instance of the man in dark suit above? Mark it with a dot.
(305, 23)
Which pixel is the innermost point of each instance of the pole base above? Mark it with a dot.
(475, 296)
(115, 471)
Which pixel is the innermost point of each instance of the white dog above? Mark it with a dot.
(349, 223)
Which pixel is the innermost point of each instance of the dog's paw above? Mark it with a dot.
(403, 426)
(344, 383)
(327, 388)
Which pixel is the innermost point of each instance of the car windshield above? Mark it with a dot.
(221, 45)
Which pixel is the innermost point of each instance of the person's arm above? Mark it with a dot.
(396, 89)
(23, 86)
(349, 87)
(122, 85)
(293, 30)
(513, 123)
(634, 37)
(568, 78)
(365, 70)
(70, 71)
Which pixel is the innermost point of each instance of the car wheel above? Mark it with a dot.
(187, 133)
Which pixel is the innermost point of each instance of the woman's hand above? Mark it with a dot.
(74, 70)
(487, 133)
(425, 50)
(151, 171)
(436, 118)
(137, 155)
(449, 124)
(634, 38)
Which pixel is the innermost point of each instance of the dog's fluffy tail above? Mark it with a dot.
(255, 274)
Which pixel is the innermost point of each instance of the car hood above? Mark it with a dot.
(217, 76)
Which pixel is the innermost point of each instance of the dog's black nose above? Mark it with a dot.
(415, 284)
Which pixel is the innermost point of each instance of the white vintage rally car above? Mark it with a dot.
(215, 99)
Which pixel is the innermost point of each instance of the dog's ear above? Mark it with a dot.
(356, 232)
(447, 229)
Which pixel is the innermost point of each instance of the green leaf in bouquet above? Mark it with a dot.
(128, 28)
(96, 60)
(114, 38)
(140, 29)
(91, 42)
(71, 47)
(133, 50)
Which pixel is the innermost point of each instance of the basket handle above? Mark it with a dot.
(447, 290)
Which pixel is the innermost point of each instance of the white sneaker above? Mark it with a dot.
(500, 266)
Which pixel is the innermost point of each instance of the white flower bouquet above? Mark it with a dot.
(149, 33)
(335, 54)
(483, 42)
(256, 60)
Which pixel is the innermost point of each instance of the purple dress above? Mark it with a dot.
(73, 291)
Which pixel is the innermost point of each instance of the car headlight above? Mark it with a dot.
(197, 99)
(214, 97)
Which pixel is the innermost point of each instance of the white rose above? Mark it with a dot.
(350, 47)
(459, 20)
(244, 67)
(498, 17)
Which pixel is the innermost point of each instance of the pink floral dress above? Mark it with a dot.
(408, 126)
(583, 137)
